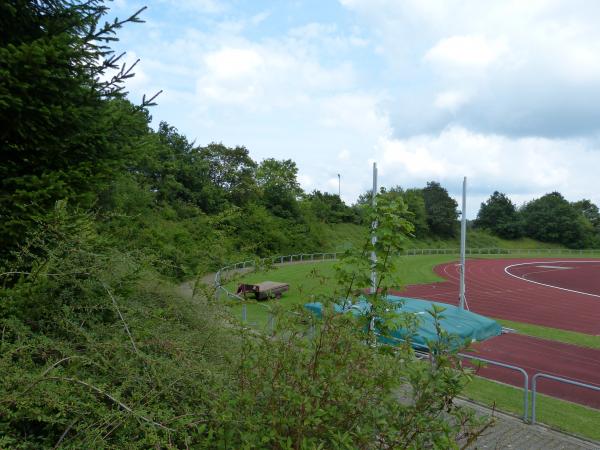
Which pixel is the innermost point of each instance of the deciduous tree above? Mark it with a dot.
(499, 215)
(441, 210)
(551, 218)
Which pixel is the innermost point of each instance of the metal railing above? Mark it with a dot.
(554, 378)
(499, 251)
(508, 366)
(242, 266)
(333, 256)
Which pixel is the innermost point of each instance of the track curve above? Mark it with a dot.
(557, 293)
(546, 301)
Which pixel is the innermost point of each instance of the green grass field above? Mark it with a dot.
(559, 414)
(308, 280)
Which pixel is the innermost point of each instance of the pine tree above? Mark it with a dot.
(65, 123)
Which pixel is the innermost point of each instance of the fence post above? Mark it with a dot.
(555, 378)
(218, 286)
(271, 322)
(518, 369)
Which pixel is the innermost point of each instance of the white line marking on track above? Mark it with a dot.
(549, 285)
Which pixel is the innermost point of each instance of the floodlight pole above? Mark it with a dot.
(373, 235)
(339, 186)
(463, 242)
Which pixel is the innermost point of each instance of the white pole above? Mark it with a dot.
(463, 242)
(373, 235)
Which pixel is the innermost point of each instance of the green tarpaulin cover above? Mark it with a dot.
(462, 324)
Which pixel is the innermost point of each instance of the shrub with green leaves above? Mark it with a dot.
(98, 352)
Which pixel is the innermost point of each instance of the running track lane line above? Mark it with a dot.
(549, 285)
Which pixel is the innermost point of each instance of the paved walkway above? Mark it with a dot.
(511, 433)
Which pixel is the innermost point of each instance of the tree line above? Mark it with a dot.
(550, 218)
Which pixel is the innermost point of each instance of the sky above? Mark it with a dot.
(506, 93)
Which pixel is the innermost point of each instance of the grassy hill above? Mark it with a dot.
(341, 236)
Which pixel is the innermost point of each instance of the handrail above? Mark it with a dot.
(555, 378)
(508, 366)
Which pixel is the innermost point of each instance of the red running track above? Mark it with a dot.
(579, 276)
(557, 293)
(539, 355)
(493, 292)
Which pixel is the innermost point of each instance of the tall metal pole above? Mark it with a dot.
(373, 235)
(463, 242)
(339, 186)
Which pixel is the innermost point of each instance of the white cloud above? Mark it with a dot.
(332, 184)
(355, 111)
(521, 167)
(344, 155)
(197, 6)
(530, 67)
(269, 75)
(467, 52)
(450, 100)
(306, 182)
(233, 63)
(413, 158)
(432, 90)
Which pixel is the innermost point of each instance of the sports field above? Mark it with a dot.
(554, 293)
(554, 299)
(558, 293)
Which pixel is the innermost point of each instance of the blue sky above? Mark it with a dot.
(505, 92)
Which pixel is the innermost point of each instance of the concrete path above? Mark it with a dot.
(511, 433)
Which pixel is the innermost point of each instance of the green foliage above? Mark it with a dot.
(589, 211)
(415, 201)
(499, 215)
(232, 172)
(255, 231)
(64, 131)
(553, 219)
(590, 220)
(549, 219)
(441, 210)
(96, 351)
(326, 389)
(416, 422)
(280, 187)
(99, 353)
(390, 217)
(315, 384)
(329, 208)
